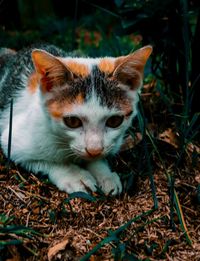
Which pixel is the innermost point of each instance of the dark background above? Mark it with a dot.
(116, 27)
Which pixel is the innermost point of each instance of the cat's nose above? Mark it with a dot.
(94, 152)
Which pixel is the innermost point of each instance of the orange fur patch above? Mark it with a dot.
(79, 99)
(77, 68)
(55, 113)
(54, 110)
(106, 65)
(33, 82)
(57, 110)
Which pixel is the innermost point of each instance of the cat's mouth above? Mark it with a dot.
(89, 157)
(90, 154)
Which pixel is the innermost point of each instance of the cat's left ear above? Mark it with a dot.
(52, 72)
(129, 69)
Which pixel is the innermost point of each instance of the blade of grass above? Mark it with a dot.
(181, 218)
(10, 242)
(10, 133)
(175, 199)
(146, 223)
(142, 124)
(102, 9)
(19, 230)
(191, 124)
(171, 195)
(82, 195)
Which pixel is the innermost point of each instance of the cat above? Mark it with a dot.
(69, 113)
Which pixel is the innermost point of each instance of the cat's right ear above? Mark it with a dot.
(52, 72)
(129, 69)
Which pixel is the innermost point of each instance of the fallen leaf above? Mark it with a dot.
(170, 137)
(131, 142)
(57, 248)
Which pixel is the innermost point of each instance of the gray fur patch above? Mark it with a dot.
(14, 68)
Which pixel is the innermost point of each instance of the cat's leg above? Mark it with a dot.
(69, 178)
(107, 180)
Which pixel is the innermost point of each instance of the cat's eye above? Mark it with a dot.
(114, 121)
(72, 122)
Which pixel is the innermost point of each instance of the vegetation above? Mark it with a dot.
(157, 217)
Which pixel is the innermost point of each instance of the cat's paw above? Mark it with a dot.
(74, 181)
(78, 184)
(110, 183)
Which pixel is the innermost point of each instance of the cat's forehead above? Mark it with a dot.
(92, 110)
(84, 66)
(96, 91)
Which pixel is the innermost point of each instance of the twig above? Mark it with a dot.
(27, 220)
(21, 177)
(17, 194)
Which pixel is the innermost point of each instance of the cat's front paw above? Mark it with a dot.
(78, 184)
(74, 180)
(110, 183)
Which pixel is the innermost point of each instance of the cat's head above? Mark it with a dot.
(90, 102)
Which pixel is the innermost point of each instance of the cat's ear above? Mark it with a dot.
(52, 72)
(129, 69)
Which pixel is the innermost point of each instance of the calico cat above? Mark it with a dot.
(69, 113)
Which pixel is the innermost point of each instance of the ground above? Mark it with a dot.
(67, 228)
